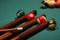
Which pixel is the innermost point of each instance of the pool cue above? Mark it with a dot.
(24, 26)
(17, 21)
(14, 23)
(33, 31)
(32, 13)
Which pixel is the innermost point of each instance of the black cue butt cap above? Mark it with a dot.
(52, 24)
(44, 15)
(20, 11)
(35, 12)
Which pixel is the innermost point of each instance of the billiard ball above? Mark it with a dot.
(58, 3)
(20, 13)
(50, 3)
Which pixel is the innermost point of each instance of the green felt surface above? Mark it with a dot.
(8, 9)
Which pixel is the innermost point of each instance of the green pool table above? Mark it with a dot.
(9, 8)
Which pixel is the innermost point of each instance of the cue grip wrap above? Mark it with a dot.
(31, 31)
(25, 26)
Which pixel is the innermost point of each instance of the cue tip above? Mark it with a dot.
(35, 12)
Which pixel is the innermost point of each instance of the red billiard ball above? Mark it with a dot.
(58, 3)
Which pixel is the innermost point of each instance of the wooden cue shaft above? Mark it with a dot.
(26, 25)
(30, 32)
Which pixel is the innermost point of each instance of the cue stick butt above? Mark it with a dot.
(52, 24)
